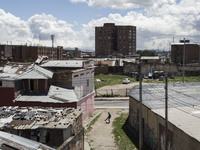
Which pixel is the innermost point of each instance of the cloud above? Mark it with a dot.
(37, 30)
(124, 4)
(157, 24)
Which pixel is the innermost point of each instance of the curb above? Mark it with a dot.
(111, 99)
(92, 118)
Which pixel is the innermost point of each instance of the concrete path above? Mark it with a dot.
(101, 137)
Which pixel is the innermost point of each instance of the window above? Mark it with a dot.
(0, 83)
(87, 82)
(75, 76)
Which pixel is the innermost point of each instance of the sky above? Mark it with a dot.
(158, 22)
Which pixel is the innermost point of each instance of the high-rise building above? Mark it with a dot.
(115, 40)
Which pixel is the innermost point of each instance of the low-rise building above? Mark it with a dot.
(24, 53)
(183, 115)
(192, 53)
(56, 127)
(68, 84)
(77, 75)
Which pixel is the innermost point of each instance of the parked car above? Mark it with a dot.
(126, 81)
(150, 75)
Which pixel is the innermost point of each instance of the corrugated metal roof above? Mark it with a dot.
(183, 103)
(39, 118)
(24, 71)
(64, 63)
(55, 95)
(20, 142)
(149, 57)
(36, 73)
(62, 94)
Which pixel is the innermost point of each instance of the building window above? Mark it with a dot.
(87, 82)
(75, 76)
(33, 85)
(0, 83)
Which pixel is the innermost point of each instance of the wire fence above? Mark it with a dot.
(112, 92)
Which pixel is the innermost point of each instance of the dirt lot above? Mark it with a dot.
(118, 89)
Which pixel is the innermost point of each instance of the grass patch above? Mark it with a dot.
(109, 79)
(89, 126)
(121, 139)
(176, 79)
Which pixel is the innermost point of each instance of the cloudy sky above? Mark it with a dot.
(73, 22)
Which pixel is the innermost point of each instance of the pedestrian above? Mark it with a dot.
(108, 118)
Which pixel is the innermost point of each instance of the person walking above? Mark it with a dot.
(108, 118)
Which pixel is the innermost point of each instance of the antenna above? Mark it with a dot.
(52, 39)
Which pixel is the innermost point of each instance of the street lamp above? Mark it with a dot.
(183, 70)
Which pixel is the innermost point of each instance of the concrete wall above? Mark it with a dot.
(153, 128)
(146, 68)
(171, 69)
(86, 105)
(74, 143)
(83, 81)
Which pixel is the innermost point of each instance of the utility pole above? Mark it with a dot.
(183, 61)
(183, 69)
(140, 113)
(166, 112)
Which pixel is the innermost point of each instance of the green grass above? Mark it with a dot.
(121, 139)
(109, 79)
(175, 80)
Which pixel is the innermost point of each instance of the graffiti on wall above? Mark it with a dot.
(162, 138)
(150, 137)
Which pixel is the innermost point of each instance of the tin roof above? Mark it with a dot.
(149, 57)
(55, 95)
(64, 63)
(183, 103)
(19, 142)
(24, 71)
(36, 72)
(22, 118)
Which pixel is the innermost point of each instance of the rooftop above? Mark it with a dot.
(19, 142)
(64, 63)
(55, 95)
(35, 117)
(149, 57)
(16, 71)
(183, 103)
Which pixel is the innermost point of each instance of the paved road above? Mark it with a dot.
(111, 104)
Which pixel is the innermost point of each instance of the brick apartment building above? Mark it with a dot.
(24, 53)
(115, 40)
(191, 53)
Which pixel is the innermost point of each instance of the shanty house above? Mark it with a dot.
(77, 75)
(58, 128)
(19, 78)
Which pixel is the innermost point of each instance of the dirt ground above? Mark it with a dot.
(101, 137)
